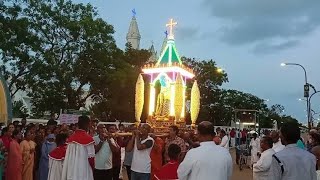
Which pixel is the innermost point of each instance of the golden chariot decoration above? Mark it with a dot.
(167, 90)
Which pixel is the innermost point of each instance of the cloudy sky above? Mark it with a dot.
(248, 38)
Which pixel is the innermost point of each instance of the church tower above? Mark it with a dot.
(153, 57)
(133, 35)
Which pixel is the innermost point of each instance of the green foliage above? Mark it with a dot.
(17, 43)
(19, 110)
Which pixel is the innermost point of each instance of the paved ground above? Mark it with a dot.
(245, 174)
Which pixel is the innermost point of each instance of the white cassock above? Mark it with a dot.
(255, 144)
(207, 162)
(56, 158)
(80, 150)
(262, 169)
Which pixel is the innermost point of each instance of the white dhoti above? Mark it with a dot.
(233, 142)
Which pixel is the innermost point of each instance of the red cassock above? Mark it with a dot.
(168, 171)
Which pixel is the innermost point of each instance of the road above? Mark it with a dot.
(245, 174)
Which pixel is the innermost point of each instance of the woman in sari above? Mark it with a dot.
(14, 166)
(28, 150)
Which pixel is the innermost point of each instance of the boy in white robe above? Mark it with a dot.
(79, 160)
(56, 157)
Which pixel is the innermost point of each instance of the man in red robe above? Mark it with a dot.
(56, 157)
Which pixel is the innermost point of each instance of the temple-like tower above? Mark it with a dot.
(133, 35)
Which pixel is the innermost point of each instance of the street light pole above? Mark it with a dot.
(309, 110)
(306, 89)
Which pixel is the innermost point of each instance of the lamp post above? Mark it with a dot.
(309, 110)
(306, 89)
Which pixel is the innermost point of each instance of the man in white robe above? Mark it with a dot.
(209, 161)
(56, 158)
(79, 159)
(262, 169)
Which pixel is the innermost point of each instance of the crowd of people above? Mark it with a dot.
(94, 151)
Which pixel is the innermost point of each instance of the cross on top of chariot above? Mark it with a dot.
(171, 24)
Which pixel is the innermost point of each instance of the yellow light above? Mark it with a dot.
(152, 99)
(171, 24)
(172, 100)
(219, 70)
(247, 123)
(184, 102)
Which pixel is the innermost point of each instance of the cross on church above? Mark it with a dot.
(171, 24)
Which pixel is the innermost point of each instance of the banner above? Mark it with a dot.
(68, 118)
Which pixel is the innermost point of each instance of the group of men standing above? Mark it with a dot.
(90, 158)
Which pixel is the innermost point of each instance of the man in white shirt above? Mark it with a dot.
(104, 146)
(224, 139)
(141, 144)
(209, 161)
(277, 145)
(262, 169)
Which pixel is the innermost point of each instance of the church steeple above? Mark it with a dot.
(153, 57)
(133, 35)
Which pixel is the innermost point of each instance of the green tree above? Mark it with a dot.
(118, 101)
(75, 57)
(17, 44)
(209, 80)
(19, 110)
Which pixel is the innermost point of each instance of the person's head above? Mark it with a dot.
(4, 131)
(145, 129)
(112, 128)
(64, 127)
(15, 123)
(174, 152)
(84, 123)
(254, 135)
(16, 135)
(173, 131)
(186, 135)
(316, 152)
(121, 127)
(275, 136)
(289, 133)
(314, 138)
(266, 143)
(222, 133)
(205, 131)
(23, 122)
(51, 138)
(61, 139)
(29, 135)
(10, 128)
(101, 128)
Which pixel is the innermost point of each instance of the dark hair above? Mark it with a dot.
(4, 130)
(61, 139)
(14, 133)
(83, 122)
(315, 137)
(268, 140)
(174, 151)
(175, 129)
(290, 132)
(223, 132)
(206, 128)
